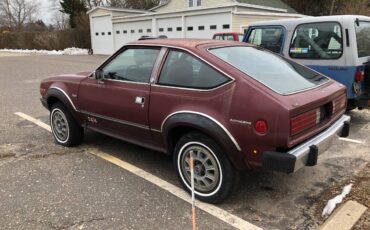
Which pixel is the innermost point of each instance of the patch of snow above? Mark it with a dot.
(67, 51)
(330, 206)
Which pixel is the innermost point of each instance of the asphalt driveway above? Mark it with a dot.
(45, 186)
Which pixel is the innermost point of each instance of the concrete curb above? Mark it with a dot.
(345, 217)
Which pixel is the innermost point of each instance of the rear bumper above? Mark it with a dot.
(305, 154)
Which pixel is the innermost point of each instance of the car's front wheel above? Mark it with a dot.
(214, 176)
(66, 130)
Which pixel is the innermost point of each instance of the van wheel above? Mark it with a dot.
(65, 129)
(214, 176)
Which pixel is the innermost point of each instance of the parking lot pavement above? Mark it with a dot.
(46, 186)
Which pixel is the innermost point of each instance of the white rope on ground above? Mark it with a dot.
(192, 191)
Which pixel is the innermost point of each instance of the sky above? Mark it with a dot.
(46, 10)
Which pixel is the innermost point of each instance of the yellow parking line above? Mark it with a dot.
(34, 120)
(217, 212)
(351, 140)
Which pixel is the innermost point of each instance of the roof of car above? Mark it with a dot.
(183, 43)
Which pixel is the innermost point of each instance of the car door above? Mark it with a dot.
(117, 104)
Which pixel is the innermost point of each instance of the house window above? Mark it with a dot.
(96, 34)
(117, 32)
(161, 29)
(149, 30)
(125, 31)
(192, 3)
(169, 29)
(190, 28)
(132, 31)
(102, 33)
(226, 26)
(140, 30)
(109, 33)
(179, 29)
(200, 27)
(213, 27)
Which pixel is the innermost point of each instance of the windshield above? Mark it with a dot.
(363, 38)
(279, 74)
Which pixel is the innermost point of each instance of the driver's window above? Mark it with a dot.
(133, 64)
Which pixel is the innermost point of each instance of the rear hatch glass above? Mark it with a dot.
(363, 38)
(277, 73)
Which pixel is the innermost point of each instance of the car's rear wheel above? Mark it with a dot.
(214, 176)
(66, 130)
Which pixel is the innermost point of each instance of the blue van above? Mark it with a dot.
(336, 46)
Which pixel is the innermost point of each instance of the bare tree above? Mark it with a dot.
(332, 7)
(94, 3)
(15, 13)
(60, 20)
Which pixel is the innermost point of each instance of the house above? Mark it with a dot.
(113, 27)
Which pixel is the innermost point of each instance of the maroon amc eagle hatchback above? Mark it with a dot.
(231, 105)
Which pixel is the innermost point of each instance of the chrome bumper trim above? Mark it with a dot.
(322, 141)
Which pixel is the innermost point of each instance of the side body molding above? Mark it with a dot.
(209, 126)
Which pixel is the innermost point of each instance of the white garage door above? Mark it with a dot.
(130, 31)
(102, 35)
(171, 27)
(204, 26)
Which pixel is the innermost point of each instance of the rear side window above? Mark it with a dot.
(277, 73)
(240, 37)
(363, 38)
(322, 40)
(270, 38)
(183, 70)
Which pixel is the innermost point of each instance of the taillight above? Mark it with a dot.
(339, 104)
(261, 127)
(360, 76)
(304, 121)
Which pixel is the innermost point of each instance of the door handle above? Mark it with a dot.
(140, 100)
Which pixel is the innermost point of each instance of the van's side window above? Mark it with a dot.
(270, 38)
(363, 38)
(322, 40)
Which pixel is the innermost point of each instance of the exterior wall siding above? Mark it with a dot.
(99, 12)
(248, 9)
(102, 12)
(175, 5)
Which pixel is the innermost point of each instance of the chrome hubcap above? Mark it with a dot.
(60, 125)
(206, 169)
